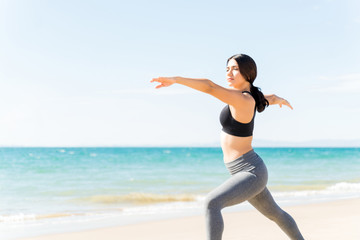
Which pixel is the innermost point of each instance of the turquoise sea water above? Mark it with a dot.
(53, 186)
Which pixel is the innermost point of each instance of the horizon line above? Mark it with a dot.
(177, 146)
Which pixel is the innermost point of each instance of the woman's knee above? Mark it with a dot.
(278, 215)
(212, 202)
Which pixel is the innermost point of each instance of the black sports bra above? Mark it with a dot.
(233, 127)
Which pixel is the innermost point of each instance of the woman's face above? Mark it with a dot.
(233, 75)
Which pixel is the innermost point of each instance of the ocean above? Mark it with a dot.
(50, 190)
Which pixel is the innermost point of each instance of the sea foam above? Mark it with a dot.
(140, 198)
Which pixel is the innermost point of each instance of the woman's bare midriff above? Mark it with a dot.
(233, 147)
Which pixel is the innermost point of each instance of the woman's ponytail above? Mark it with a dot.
(261, 102)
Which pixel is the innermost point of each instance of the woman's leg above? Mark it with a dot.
(265, 203)
(239, 188)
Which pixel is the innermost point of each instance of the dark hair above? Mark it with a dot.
(248, 70)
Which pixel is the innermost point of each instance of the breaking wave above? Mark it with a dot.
(140, 198)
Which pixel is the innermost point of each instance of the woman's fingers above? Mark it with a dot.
(154, 80)
(159, 86)
(283, 101)
(164, 81)
(157, 80)
(288, 104)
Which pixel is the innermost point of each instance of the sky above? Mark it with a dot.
(77, 73)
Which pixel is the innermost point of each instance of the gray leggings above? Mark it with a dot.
(248, 182)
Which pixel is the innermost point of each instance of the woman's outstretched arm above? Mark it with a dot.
(273, 100)
(229, 96)
(203, 85)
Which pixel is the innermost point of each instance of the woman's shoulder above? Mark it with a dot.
(247, 104)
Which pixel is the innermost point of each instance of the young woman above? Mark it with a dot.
(249, 173)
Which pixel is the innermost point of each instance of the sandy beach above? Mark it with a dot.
(318, 221)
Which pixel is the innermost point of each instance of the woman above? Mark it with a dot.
(249, 173)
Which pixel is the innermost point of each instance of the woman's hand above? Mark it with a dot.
(164, 81)
(281, 101)
(273, 99)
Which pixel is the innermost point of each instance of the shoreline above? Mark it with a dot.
(336, 219)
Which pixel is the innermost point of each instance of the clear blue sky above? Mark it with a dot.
(76, 73)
